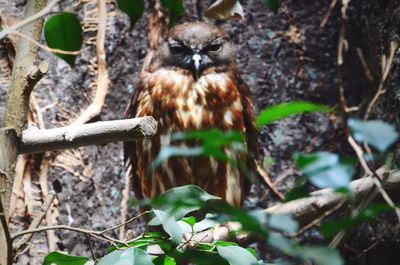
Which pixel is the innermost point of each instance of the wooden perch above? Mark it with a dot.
(307, 209)
(35, 140)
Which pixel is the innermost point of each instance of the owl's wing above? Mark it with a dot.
(251, 134)
(130, 147)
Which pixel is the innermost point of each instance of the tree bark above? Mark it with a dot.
(22, 83)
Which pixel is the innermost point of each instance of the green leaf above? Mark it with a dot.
(170, 226)
(281, 243)
(175, 8)
(169, 261)
(273, 5)
(64, 32)
(204, 224)
(253, 221)
(285, 110)
(236, 255)
(283, 223)
(224, 243)
(133, 8)
(182, 200)
(57, 258)
(321, 255)
(191, 220)
(174, 151)
(325, 170)
(133, 256)
(377, 133)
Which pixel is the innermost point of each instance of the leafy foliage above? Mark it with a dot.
(211, 143)
(378, 134)
(63, 31)
(57, 258)
(134, 256)
(236, 255)
(284, 110)
(325, 170)
(133, 8)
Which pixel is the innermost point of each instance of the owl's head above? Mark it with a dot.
(197, 46)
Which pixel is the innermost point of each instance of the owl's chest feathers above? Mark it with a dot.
(181, 103)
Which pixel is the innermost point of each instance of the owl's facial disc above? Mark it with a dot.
(195, 58)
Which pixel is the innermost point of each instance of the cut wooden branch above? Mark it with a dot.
(306, 209)
(35, 140)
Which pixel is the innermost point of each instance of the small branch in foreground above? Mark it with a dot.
(35, 140)
(101, 235)
(36, 222)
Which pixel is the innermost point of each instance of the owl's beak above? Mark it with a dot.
(196, 59)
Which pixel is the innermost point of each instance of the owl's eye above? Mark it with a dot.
(213, 47)
(176, 49)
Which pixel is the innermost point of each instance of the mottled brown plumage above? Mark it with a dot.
(192, 84)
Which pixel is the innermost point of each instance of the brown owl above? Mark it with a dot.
(192, 83)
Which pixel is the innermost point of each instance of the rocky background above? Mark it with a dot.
(282, 57)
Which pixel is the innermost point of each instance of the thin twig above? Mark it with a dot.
(38, 219)
(268, 181)
(386, 65)
(46, 48)
(328, 13)
(41, 13)
(91, 247)
(126, 222)
(364, 64)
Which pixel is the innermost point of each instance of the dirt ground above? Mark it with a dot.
(282, 57)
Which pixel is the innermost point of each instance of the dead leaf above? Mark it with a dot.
(225, 9)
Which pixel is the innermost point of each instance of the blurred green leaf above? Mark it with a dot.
(169, 261)
(133, 256)
(236, 255)
(182, 200)
(281, 243)
(325, 170)
(285, 110)
(133, 8)
(57, 258)
(224, 243)
(321, 255)
(175, 8)
(331, 228)
(283, 223)
(273, 5)
(191, 220)
(377, 133)
(170, 226)
(253, 221)
(64, 32)
(174, 151)
(204, 224)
